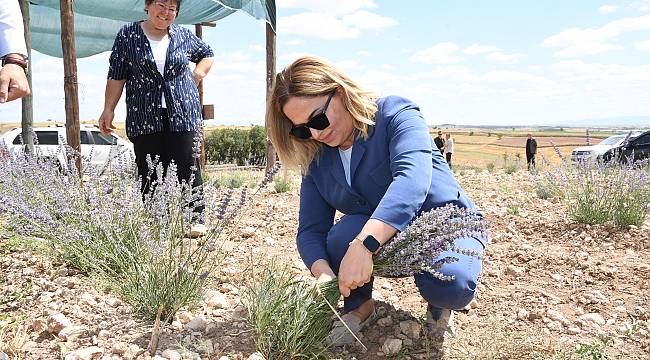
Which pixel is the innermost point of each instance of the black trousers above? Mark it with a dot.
(530, 160)
(169, 146)
(448, 158)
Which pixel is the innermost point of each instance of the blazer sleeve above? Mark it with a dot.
(410, 154)
(315, 219)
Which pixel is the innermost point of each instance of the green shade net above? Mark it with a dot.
(96, 22)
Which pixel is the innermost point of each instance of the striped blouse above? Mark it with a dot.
(132, 60)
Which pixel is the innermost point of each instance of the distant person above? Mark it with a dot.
(531, 149)
(163, 110)
(449, 148)
(13, 77)
(440, 142)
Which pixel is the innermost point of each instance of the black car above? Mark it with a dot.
(635, 149)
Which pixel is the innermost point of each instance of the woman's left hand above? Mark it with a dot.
(355, 269)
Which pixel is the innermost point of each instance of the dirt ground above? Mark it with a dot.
(548, 285)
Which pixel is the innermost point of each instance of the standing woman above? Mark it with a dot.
(163, 111)
(374, 161)
(449, 149)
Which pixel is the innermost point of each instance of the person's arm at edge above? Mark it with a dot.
(112, 95)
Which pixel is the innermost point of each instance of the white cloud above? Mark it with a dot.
(576, 42)
(492, 53)
(643, 45)
(287, 58)
(577, 70)
(512, 76)
(441, 53)
(376, 80)
(476, 49)
(347, 65)
(453, 73)
(295, 42)
(332, 20)
(504, 59)
(323, 26)
(257, 48)
(366, 20)
(332, 7)
(607, 9)
(316, 25)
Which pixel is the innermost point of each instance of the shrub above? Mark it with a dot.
(286, 314)
(513, 209)
(234, 179)
(104, 227)
(510, 168)
(282, 184)
(471, 133)
(490, 166)
(238, 146)
(595, 192)
(544, 190)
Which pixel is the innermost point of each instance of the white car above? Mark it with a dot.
(593, 152)
(97, 149)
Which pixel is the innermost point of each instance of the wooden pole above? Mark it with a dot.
(199, 33)
(72, 128)
(270, 76)
(27, 121)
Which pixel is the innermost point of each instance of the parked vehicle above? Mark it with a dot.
(594, 152)
(97, 149)
(634, 150)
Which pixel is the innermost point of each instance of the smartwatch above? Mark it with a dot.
(370, 243)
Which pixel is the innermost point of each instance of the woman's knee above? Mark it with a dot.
(456, 293)
(446, 294)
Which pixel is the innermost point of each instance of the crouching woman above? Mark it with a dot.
(373, 160)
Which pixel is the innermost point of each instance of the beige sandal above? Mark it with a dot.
(340, 335)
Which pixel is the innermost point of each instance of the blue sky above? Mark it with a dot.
(465, 62)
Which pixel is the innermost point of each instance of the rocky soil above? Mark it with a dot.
(548, 284)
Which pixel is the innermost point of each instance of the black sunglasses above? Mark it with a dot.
(318, 122)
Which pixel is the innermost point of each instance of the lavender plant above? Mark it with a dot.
(287, 314)
(596, 192)
(102, 226)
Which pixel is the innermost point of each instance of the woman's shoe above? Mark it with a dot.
(439, 322)
(198, 230)
(340, 335)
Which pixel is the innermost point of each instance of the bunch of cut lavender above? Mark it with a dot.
(414, 250)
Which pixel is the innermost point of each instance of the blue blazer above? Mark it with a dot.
(395, 174)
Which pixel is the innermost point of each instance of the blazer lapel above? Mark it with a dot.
(336, 167)
(358, 150)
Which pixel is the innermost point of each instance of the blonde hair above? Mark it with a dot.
(309, 76)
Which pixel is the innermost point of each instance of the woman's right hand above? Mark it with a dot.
(322, 271)
(106, 122)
